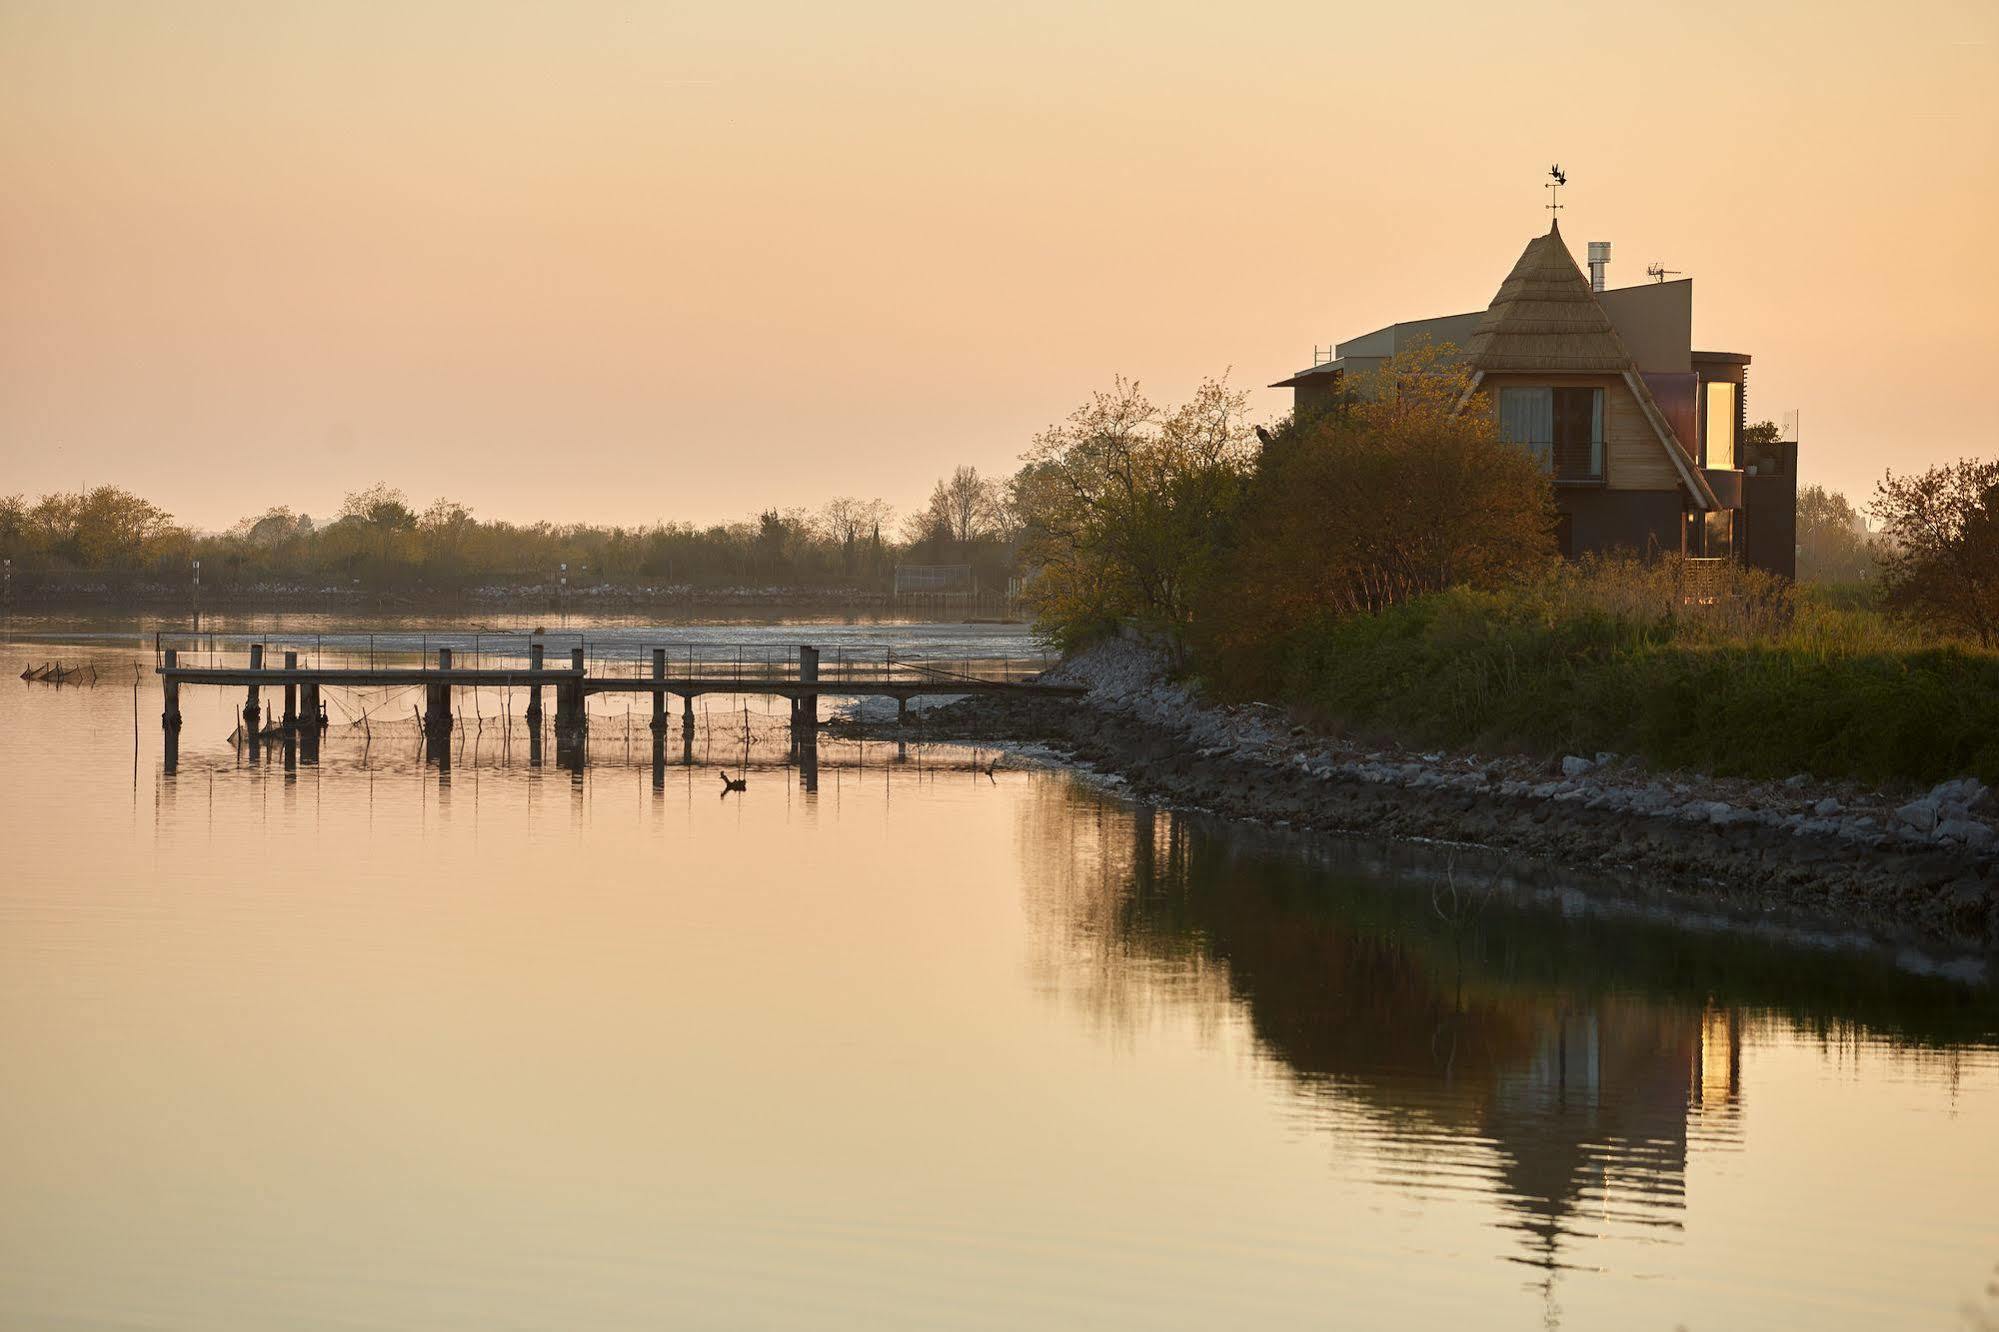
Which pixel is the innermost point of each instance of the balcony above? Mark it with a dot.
(1570, 462)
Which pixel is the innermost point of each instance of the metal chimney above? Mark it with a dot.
(1599, 259)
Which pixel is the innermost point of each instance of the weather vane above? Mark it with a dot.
(1554, 187)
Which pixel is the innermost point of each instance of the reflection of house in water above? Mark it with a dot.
(1596, 1118)
(1469, 1056)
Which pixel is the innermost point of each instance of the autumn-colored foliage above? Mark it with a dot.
(1397, 493)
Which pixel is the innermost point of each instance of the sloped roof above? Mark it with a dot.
(1546, 318)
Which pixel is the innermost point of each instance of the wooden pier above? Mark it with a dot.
(800, 680)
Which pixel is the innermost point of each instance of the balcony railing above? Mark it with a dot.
(1575, 462)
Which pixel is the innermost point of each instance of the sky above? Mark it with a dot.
(632, 262)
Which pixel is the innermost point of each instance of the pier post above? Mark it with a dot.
(901, 711)
(437, 712)
(659, 694)
(687, 714)
(170, 693)
(806, 715)
(252, 713)
(569, 695)
(291, 692)
(534, 690)
(308, 706)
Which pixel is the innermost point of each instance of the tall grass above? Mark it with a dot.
(1735, 674)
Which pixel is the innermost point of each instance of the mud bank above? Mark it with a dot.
(1910, 863)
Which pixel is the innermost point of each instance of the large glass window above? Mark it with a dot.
(1561, 427)
(1721, 413)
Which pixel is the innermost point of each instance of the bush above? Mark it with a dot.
(1579, 663)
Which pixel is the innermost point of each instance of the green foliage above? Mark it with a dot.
(1123, 507)
(1569, 665)
(1940, 563)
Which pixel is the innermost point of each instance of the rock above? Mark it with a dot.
(1919, 814)
(1798, 779)
(1966, 791)
(1969, 831)
(1604, 758)
(1827, 807)
(1574, 766)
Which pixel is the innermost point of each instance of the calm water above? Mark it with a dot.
(375, 1043)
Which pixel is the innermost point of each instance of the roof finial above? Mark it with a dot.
(1554, 188)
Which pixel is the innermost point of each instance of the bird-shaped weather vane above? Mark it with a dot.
(1554, 187)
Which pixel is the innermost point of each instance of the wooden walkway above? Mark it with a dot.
(801, 680)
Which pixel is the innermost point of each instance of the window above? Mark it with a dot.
(1711, 535)
(1721, 413)
(1561, 427)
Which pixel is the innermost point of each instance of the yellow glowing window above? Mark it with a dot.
(1721, 411)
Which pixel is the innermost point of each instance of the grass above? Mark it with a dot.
(1759, 681)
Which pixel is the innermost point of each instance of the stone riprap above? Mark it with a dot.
(1921, 862)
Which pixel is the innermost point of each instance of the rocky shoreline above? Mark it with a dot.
(1914, 863)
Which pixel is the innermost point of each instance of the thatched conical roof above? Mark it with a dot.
(1546, 318)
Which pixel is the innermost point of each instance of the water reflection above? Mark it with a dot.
(1459, 1035)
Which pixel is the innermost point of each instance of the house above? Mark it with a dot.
(1642, 435)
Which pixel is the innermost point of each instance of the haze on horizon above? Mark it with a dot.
(625, 262)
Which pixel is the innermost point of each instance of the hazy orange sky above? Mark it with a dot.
(638, 261)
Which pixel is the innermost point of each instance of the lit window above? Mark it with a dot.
(1721, 411)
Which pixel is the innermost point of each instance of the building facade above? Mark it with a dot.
(1643, 436)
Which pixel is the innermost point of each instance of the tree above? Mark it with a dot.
(274, 527)
(1397, 493)
(1833, 545)
(381, 506)
(850, 523)
(965, 506)
(1122, 507)
(1940, 548)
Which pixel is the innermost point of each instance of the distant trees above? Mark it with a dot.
(1833, 544)
(102, 528)
(378, 539)
(1940, 548)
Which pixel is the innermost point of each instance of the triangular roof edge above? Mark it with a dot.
(1553, 322)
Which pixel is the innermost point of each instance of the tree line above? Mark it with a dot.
(380, 540)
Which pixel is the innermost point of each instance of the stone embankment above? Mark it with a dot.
(1920, 862)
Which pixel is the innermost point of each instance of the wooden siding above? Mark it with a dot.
(1633, 457)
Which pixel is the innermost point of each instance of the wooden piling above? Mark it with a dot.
(291, 691)
(569, 695)
(252, 713)
(437, 718)
(659, 695)
(807, 716)
(170, 693)
(534, 691)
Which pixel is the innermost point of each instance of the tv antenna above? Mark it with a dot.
(1659, 273)
(1554, 186)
